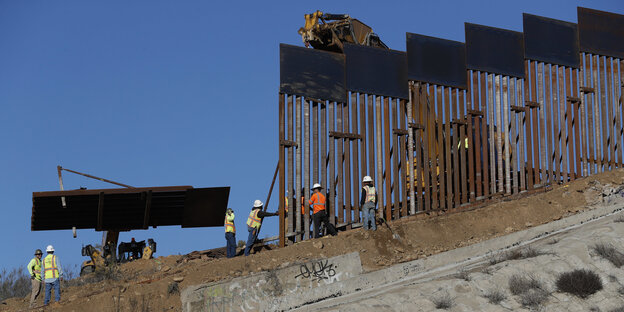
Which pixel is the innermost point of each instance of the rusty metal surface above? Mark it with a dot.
(125, 209)
(551, 41)
(494, 50)
(376, 71)
(601, 32)
(437, 61)
(312, 73)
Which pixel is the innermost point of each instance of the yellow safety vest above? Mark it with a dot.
(51, 271)
(229, 225)
(37, 268)
(253, 220)
(371, 196)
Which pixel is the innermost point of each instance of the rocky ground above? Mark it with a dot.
(154, 285)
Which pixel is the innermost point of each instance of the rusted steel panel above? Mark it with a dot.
(505, 129)
(563, 133)
(491, 138)
(324, 158)
(371, 137)
(306, 168)
(543, 135)
(396, 188)
(557, 145)
(312, 73)
(601, 32)
(413, 139)
(315, 143)
(600, 147)
(339, 207)
(551, 41)
(610, 109)
(476, 146)
(403, 161)
(452, 100)
(376, 71)
(441, 162)
(513, 156)
(569, 131)
(521, 135)
(419, 175)
(463, 161)
(356, 158)
(494, 50)
(470, 136)
(426, 116)
(347, 166)
(605, 117)
(620, 88)
(379, 180)
(291, 171)
(499, 134)
(387, 168)
(299, 195)
(282, 172)
(332, 165)
(578, 124)
(529, 82)
(589, 113)
(437, 61)
(484, 134)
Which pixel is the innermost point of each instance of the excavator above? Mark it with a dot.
(127, 252)
(329, 32)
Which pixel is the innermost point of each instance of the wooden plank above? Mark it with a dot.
(306, 168)
(387, 169)
(491, 137)
(396, 188)
(282, 172)
(463, 162)
(527, 122)
(479, 157)
(356, 162)
(505, 128)
(347, 165)
(521, 136)
(440, 159)
(298, 196)
(291, 165)
(470, 136)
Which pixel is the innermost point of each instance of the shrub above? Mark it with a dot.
(619, 219)
(534, 297)
(608, 252)
(463, 274)
(173, 288)
(531, 291)
(516, 254)
(495, 296)
(581, 283)
(443, 302)
(14, 283)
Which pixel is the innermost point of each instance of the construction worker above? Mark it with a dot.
(319, 213)
(253, 223)
(34, 270)
(52, 274)
(230, 233)
(368, 202)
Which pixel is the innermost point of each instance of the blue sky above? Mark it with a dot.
(159, 93)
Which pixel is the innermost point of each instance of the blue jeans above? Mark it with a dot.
(230, 238)
(368, 215)
(57, 291)
(253, 234)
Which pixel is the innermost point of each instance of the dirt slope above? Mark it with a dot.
(147, 285)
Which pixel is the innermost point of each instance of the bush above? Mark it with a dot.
(581, 283)
(619, 219)
(495, 296)
(463, 274)
(531, 291)
(516, 254)
(443, 302)
(14, 283)
(608, 252)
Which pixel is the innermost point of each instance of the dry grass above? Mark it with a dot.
(620, 218)
(495, 296)
(516, 254)
(444, 301)
(608, 252)
(463, 274)
(581, 283)
(531, 291)
(14, 283)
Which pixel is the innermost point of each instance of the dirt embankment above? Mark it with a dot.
(148, 285)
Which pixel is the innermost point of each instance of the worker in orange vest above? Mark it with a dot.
(230, 233)
(319, 213)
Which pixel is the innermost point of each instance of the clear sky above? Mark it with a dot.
(160, 93)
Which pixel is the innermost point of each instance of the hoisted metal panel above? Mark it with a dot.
(376, 71)
(601, 32)
(494, 50)
(551, 41)
(312, 73)
(437, 61)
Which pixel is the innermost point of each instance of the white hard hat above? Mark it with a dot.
(316, 185)
(50, 248)
(258, 203)
(367, 179)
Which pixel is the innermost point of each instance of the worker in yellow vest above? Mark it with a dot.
(230, 233)
(52, 274)
(368, 202)
(34, 270)
(253, 223)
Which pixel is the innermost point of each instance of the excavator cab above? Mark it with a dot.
(97, 260)
(329, 32)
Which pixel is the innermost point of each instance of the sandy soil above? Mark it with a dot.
(147, 285)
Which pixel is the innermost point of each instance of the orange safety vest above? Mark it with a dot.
(318, 202)
(229, 226)
(253, 220)
(371, 195)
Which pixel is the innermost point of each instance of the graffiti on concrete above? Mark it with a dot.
(317, 271)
